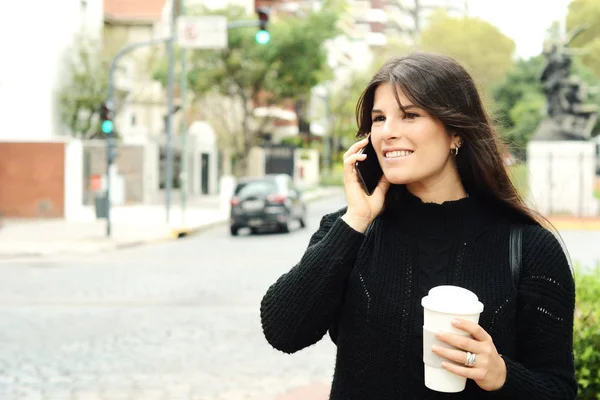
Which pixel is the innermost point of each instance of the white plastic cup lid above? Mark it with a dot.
(452, 300)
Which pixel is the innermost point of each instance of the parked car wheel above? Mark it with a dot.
(233, 230)
(285, 227)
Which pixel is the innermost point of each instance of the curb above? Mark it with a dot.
(176, 233)
(184, 232)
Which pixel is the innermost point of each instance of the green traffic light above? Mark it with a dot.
(107, 126)
(263, 37)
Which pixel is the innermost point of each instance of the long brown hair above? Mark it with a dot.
(441, 86)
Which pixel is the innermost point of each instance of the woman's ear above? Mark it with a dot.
(457, 141)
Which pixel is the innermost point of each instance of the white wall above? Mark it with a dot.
(202, 139)
(151, 173)
(306, 162)
(561, 177)
(34, 36)
(256, 161)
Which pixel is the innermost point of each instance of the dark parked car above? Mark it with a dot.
(269, 202)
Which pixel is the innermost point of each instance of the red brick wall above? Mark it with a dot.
(32, 181)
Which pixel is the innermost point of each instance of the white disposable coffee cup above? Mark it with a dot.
(440, 307)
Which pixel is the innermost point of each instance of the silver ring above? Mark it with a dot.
(471, 359)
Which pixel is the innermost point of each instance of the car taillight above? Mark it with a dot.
(235, 201)
(277, 198)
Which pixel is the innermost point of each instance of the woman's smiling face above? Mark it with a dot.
(411, 144)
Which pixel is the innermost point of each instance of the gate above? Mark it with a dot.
(279, 159)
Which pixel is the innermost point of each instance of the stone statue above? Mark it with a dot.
(568, 118)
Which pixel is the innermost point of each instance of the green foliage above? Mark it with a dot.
(394, 48)
(586, 13)
(343, 105)
(301, 142)
(345, 95)
(469, 40)
(519, 175)
(335, 177)
(519, 103)
(85, 88)
(587, 333)
(526, 115)
(286, 68)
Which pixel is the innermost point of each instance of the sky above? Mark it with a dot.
(524, 21)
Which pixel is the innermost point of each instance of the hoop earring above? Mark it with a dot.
(455, 152)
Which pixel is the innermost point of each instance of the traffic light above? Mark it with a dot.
(113, 153)
(263, 36)
(106, 118)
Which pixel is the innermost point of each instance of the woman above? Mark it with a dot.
(441, 214)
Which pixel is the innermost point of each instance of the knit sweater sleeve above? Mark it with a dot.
(300, 306)
(544, 366)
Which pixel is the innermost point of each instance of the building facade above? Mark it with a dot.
(141, 100)
(36, 45)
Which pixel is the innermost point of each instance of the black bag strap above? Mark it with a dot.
(515, 253)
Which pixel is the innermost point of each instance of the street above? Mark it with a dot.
(178, 320)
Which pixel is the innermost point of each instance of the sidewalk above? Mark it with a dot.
(316, 391)
(575, 223)
(131, 226)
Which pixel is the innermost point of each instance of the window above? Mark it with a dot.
(133, 119)
(256, 188)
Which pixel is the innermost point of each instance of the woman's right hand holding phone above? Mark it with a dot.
(362, 208)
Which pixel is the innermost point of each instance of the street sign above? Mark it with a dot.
(205, 32)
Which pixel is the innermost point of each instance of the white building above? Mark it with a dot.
(378, 20)
(35, 37)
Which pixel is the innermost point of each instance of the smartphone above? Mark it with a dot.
(369, 171)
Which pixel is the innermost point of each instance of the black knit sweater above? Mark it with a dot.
(364, 289)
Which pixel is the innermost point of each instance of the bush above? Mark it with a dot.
(586, 344)
(335, 176)
(520, 178)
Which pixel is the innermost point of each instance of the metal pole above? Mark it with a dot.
(550, 184)
(183, 126)
(109, 151)
(327, 135)
(581, 192)
(169, 127)
(111, 103)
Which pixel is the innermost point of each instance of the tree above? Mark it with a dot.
(346, 93)
(343, 107)
(394, 47)
(519, 103)
(480, 46)
(85, 88)
(262, 75)
(586, 13)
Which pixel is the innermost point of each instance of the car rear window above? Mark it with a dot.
(255, 188)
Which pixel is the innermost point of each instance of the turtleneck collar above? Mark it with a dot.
(451, 219)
